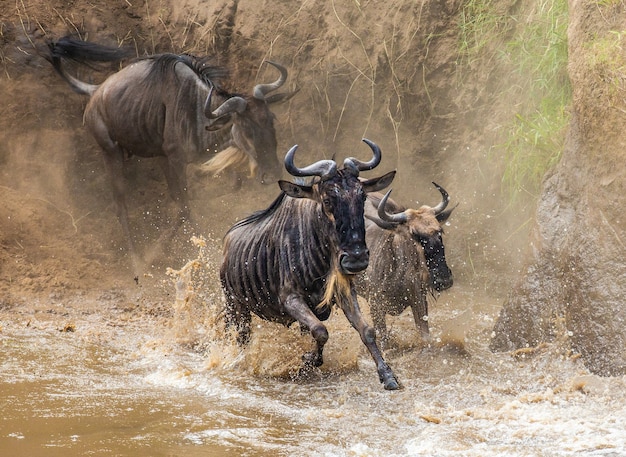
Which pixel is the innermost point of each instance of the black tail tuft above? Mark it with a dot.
(85, 52)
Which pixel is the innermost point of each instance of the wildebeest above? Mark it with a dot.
(161, 106)
(294, 260)
(407, 259)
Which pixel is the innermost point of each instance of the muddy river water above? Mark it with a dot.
(88, 378)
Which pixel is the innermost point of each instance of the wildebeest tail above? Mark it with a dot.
(84, 53)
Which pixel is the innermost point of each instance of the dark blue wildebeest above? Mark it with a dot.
(171, 107)
(407, 262)
(294, 260)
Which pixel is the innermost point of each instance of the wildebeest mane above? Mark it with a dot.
(269, 211)
(261, 214)
(164, 65)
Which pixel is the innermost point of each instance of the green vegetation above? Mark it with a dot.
(480, 27)
(530, 48)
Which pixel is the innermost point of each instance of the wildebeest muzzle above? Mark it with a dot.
(354, 261)
(440, 277)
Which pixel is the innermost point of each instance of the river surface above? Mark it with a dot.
(93, 378)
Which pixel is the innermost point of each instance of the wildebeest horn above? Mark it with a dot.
(351, 162)
(261, 90)
(323, 168)
(398, 218)
(233, 104)
(444, 200)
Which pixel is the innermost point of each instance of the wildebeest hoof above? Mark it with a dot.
(392, 384)
(389, 381)
(312, 359)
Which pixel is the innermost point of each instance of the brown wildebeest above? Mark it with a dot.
(407, 260)
(294, 260)
(162, 106)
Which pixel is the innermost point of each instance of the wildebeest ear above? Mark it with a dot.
(218, 124)
(279, 98)
(296, 190)
(376, 184)
(444, 215)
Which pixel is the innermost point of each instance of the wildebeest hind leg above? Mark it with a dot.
(299, 310)
(114, 164)
(113, 160)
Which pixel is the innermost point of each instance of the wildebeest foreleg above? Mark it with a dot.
(350, 307)
(420, 314)
(174, 169)
(239, 317)
(299, 310)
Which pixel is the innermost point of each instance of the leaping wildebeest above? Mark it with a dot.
(294, 260)
(163, 106)
(407, 262)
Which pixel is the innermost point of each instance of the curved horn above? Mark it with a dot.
(323, 168)
(261, 90)
(232, 105)
(363, 166)
(445, 199)
(398, 218)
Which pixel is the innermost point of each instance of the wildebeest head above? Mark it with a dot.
(252, 130)
(424, 227)
(341, 195)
